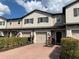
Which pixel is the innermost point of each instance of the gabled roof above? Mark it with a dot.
(42, 12)
(14, 19)
(69, 5)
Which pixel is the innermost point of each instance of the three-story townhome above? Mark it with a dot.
(72, 19)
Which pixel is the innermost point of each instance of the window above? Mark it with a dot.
(28, 21)
(19, 22)
(43, 19)
(58, 20)
(2, 23)
(76, 12)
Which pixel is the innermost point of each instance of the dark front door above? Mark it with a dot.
(58, 37)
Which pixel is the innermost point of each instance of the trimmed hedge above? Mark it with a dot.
(70, 49)
(13, 42)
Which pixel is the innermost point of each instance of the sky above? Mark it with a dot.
(18, 8)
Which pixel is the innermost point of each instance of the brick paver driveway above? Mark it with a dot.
(34, 51)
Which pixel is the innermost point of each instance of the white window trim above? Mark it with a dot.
(43, 21)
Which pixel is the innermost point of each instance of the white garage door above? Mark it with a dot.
(26, 34)
(75, 34)
(41, 37)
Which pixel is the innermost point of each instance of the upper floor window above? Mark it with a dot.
(19, 22)
(76, 11)
(2, 23)
(58, 20)
(43, 19)
(26, 21)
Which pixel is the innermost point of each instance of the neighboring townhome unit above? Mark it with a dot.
(3, 24)
(41, 25)
(14, 23)
(13, 27)
(72, 19)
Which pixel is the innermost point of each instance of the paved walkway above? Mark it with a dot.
(35, 51)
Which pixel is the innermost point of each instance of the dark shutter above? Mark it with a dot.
(78, 11)
(75, 11)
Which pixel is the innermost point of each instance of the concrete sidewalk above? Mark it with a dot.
(34, 51)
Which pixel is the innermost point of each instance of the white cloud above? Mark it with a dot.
(52, 6)
(4, 9)
(55, 6)
(29, 6)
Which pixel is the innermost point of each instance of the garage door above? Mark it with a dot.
(26, 34)
(75, 34)
(41, 37)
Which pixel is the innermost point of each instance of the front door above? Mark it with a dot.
(58, 37)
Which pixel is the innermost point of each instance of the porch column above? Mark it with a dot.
(69, 33)
(34, 37)
(10, 34)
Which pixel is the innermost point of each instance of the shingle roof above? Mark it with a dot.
(14, 19)
(42, 12)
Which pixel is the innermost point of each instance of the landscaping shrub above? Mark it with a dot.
(2, 43)
(13, 42)
(70, 48)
